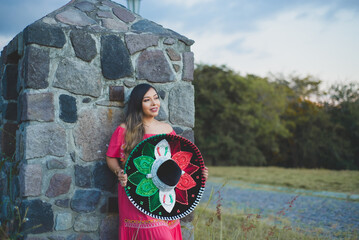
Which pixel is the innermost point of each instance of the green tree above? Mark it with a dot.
(237, 118)
(315, 140)
(344, 111)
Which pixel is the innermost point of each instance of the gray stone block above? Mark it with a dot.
(169, 41)
(12, 47)
(84, 45)
(44, 34)
(162, 94)
(181, 105)
(55, 164)
(115, 58)
(49, 20)
(146, 26)
(38, 107)
(59, 184)
(86, 100)
(139, 42)
(173, 55)
(85, 200)
(9, 111)
(85, 6)
(63, 221)
(123, 14)
(176, 67)
(153, 66)
(78, 77)
(86, 223)
(68, 108)
(188, 66)
(8, 139)
(93, 131)
(109, 228)
(129, 83)
(83, 176)
(104, 14)
(104, 8)
(189, 134)
(36, 66)
(64, 203)
(39, 213)
(75, 17)
(45, 139)
(178, 130)
(30, 180)
(162, 114)
(9, 82)
(114, 24)
(104, 178)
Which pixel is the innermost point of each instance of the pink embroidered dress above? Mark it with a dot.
(133, 223)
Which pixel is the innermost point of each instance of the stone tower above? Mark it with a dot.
(64, 83)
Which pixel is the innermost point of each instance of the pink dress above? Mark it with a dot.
(133, 223)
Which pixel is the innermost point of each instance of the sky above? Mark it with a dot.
(262, 37)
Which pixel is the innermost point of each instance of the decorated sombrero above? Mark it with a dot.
(165, 176)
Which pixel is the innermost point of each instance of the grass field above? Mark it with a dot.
(241, 225)
(251, 227)
(310, 179)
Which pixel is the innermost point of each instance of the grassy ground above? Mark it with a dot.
(310, 179)
(249, 227)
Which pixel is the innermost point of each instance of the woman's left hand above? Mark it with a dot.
(205, 173)
(122, 178)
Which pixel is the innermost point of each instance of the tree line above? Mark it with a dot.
(275, 121)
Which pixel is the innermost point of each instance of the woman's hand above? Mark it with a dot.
(205, 173)
(122, 177)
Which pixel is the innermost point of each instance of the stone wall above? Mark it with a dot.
(64, 83)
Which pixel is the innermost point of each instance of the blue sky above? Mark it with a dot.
(316, 37)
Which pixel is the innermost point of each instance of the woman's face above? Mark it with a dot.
(151, 103)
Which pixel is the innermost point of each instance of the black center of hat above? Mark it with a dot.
(169, 173)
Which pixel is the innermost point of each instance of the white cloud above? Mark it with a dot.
(186, 3)
(294, 41)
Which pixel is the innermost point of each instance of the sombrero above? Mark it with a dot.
(165, 176)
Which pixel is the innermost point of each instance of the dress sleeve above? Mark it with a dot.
(117, 144)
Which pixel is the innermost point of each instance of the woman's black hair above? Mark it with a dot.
(136, 97)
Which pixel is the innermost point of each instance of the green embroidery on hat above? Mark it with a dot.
(149, 150)
(146, 188)
(136, 177)
(166, 150)
(154, 202)
(144, 164)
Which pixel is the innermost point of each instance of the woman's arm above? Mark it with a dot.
(113, 165)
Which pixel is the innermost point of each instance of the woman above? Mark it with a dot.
(140, 123)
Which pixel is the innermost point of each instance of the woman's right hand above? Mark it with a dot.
(122, 178)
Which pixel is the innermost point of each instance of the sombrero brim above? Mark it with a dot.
(186, 194)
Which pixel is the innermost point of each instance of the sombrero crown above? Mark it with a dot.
(165, 177)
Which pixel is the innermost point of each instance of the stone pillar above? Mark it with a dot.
(64, 83)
